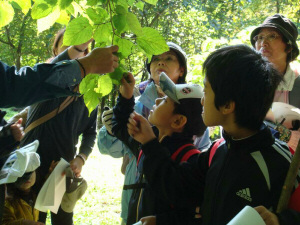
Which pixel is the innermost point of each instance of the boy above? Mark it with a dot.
(176, 119)
(249, 167)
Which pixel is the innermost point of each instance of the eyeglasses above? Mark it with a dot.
(269, 37)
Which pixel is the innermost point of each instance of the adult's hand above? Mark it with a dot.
(76, 165)
(269, 217)
(101, 60)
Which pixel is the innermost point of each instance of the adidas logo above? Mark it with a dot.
(245, 193)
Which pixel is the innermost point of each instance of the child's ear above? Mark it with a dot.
(228, 108)
(178, 121)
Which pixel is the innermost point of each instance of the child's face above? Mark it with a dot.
(210, 114)
(168, 63)
(29, 183)
(162, 112)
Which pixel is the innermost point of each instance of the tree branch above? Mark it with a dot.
(8, 37)
(22, 31)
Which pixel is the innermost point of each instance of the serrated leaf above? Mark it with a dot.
(103, 33)
(121, 10)
(91, 100)
(133, 23)
(64, 18)
(119, 22)
(152, 2)
(6, 13)
(130, 2)
(152, 42)
(77, 32)
(46, 22)
(92, 2)
(104, 85)
(51, 2)
(140, 5)
(125, 47)
(122, 3)
(24, 4)
(63, 4)
(97, 15)
(117, 75)
(70, 9)
(40, 10)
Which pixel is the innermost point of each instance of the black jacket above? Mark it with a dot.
(146, 201)
(245, 172)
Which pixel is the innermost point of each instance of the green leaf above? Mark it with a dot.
(90, 97)
(152, 42)
(104, 85)
(64, 18)
(40, 10)
(92, 2)
(46, 22)
(130, 2)
(6, 13)
(121, 10)
(152, 2)
(51, 2)
(122, 3)
(24, 4)
(103, 33)
(70, 9)
(63, 4)
(125, 47)
(133, 23)
(119, 22)
(140, 5)
(97, 15)
(77, 32)
(117, 75)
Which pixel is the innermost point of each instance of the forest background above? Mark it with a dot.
(140, 28)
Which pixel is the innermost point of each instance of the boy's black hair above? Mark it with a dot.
(242, 75)
(192, 109)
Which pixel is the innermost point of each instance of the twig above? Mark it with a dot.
(289, 181)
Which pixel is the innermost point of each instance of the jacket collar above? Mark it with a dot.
(253, 143)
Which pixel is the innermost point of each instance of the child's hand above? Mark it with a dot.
(148, 220)
(269, 217)
(139, 128)
(127, 86)
(17, 130)
(76, 166)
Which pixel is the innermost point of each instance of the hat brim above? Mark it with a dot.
(168, 87)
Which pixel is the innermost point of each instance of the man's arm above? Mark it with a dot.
(46, 81)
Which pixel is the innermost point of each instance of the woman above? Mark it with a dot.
(276, 39)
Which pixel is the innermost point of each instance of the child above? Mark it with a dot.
(177, 119)
(248, 167)
(18, 173)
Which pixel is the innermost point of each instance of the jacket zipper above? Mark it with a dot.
(220, 179)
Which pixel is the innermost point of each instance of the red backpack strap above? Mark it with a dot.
(140, 155)
(214, 149)
(183, 153)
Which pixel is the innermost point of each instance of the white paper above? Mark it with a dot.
(247, 216)
(138, 223)
(50, 195)
(282, 110)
